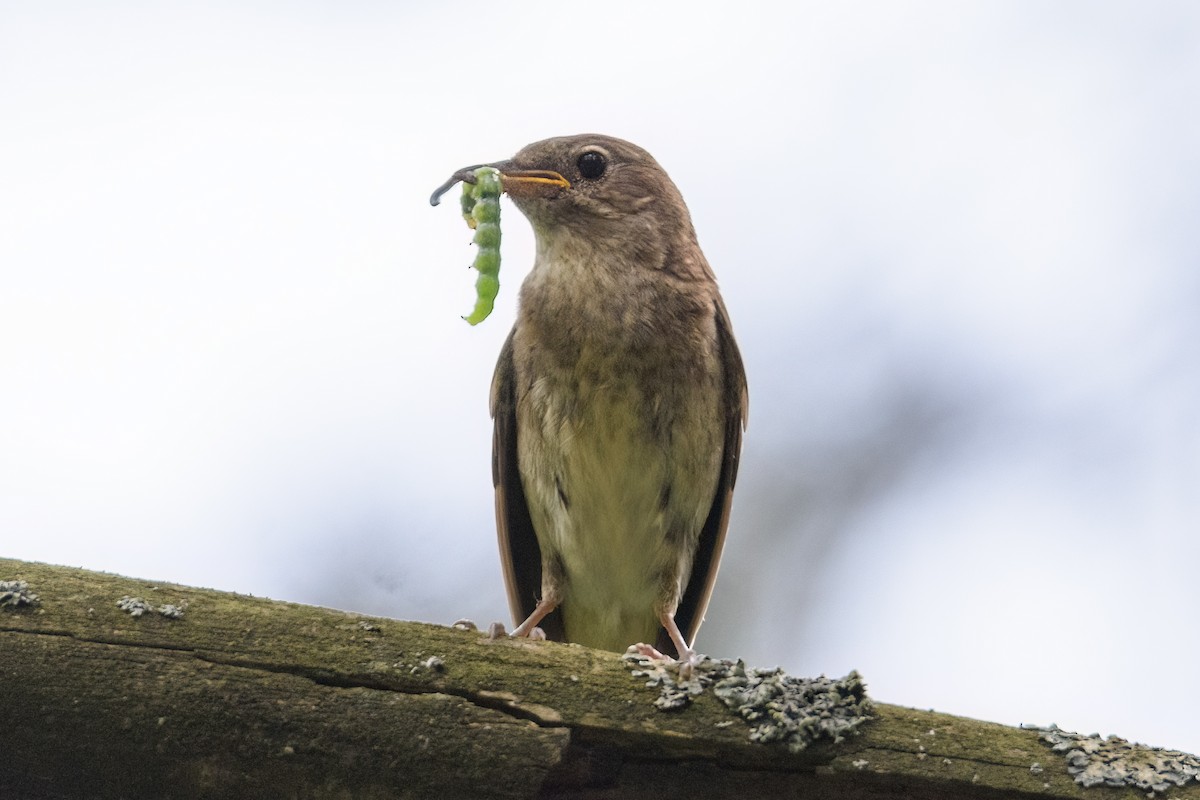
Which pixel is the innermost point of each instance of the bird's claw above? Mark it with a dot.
(649, 651)
(685, 664)
(497, 631)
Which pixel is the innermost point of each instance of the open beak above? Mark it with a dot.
(517, 182)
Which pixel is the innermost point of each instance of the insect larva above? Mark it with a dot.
(481, 209)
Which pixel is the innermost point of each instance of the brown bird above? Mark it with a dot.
(619, 401)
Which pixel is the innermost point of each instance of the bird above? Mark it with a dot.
(618, 401)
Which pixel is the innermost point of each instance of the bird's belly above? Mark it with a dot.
(619, 500)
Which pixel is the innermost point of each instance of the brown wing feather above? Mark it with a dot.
(691, 609)
(520, 555)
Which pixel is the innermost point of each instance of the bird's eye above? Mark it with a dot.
(591, 165)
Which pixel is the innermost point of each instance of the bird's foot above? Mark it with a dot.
(685, 664)
(648, 651)
(497, 631)
(494, 631)
(529, 628)
(688, 658)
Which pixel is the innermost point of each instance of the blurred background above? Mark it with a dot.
(959, 243)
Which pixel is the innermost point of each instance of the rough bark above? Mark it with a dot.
(248, 697)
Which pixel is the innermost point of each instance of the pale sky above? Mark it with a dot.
(959, 244)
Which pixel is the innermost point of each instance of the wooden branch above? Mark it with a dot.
(248, 697)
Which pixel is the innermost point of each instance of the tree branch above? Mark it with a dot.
(248, 697)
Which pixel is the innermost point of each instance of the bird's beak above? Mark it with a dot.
(514, 180)
(530, 182)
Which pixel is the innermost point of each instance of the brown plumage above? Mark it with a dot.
(618, 400)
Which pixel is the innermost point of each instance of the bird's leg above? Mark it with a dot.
(529, 627)
(688, 659)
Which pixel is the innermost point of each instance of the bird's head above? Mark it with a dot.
(594, 186)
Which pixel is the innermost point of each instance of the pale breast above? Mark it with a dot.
(620, 472)
(620, 431)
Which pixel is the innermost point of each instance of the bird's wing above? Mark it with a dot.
(520, 556)
(691, 609)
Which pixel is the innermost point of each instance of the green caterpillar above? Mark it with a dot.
(481, 210)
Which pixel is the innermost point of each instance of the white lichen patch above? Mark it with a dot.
(171, 610)
(778, 707)
(16, 594)
(136, 607)
(1096, 761)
